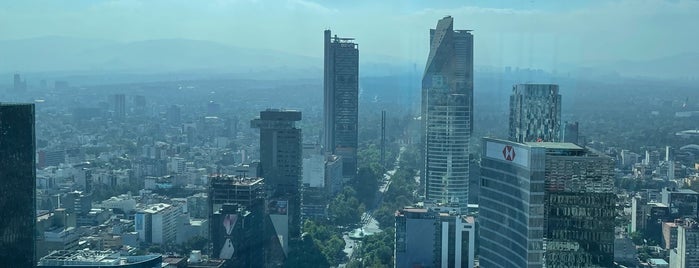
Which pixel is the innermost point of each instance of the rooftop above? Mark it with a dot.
(104, 258)
(555, 145)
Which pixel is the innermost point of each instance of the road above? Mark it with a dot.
(368, 223)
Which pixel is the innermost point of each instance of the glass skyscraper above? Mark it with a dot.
(546, 204)
(535, 113)
(17, 185)
(447, 114)
(341, 97)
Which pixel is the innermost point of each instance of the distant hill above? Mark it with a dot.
(66, 54)
(685, 65)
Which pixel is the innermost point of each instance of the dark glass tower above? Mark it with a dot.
(17, 185)
(447, 113)
(341, 94)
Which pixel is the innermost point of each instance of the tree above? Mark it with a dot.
(345, 208)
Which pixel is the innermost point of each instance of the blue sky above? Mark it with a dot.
(537, 34)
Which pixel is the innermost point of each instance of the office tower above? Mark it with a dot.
(281, 161)
(119, 106)
(341, 97)
(545, 203)
(17, 184)
(686, 255)
(535, 113)
(570, 133)
(19, 85)
(430, 237)
(447, 113)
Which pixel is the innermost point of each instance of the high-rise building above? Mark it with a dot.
(119, 106)
(571, 133)
(535, 113)
(447, 113)
(281, 162)
(430, 237)
(17, 184)
(18, 84)
(545, 203)
(341, 98)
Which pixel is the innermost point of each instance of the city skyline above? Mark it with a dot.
(156, 156)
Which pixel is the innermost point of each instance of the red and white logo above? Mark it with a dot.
(508, 153)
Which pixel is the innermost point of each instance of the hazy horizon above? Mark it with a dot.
(557, 37)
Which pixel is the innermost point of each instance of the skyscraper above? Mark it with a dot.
(120, 106)
(281, 161)
(535, 113)
(545, 203)
(341, 95)
(17, 185)
(447, 113)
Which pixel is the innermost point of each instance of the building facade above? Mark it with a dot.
(17, 184)
(535, 113)
(281, 162)
(430, 237)
(341, 100)
(546, 204)
(447, 113)
(157, 224)
(686, 255)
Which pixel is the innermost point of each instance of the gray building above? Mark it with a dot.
(17, 184)
(434, 237)
(447, 113)
(686, 255)
(535, 113)
(341, 100)
(281, 161)
(545, 203)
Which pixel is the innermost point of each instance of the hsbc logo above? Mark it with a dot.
(508, 153)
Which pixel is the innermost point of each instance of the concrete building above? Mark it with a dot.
(281, 161)
(682, 203)
(17, 184)
(236, 236)
(341, 100)
(686, 255)
(670, 235)
(545, 203)
(157, 224)
(430, 237)
(249, 195)
(447, 114)
(535, 113)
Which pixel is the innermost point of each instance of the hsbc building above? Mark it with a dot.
(527, 193)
